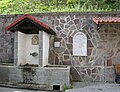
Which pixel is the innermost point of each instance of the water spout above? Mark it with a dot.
(34, 54)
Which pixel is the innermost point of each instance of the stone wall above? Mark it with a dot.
(102, 44)
(44, 77)
(103, 47)
(6, 40)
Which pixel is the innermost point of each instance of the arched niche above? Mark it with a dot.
(80, 44)
(35, 40)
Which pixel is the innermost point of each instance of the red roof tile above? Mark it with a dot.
(99, 20)
(31, 18)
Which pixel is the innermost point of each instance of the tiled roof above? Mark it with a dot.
(99, 20)
(20, 19)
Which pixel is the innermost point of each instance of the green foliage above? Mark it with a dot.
(36, 6)
(66, 87)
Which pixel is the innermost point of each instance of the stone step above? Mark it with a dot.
(30, 86)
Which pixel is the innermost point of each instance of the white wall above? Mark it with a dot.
(30, 49)
(45, 48)
(21, 48)
(25, 47)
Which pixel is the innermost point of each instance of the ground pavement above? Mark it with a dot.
(95, 87)
(77, 87)
(6, 89)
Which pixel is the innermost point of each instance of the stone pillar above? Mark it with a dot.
(40, 48)
(16, 48)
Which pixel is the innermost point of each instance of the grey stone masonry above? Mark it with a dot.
(40, 48)
(15, 48)
(49, 76)
(103, 43)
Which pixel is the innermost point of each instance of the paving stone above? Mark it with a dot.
(94, 87)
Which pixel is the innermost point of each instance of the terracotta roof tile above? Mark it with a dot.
(99, 20)
(31, 18)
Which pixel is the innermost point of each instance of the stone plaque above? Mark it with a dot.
(56, 44)
(80, 45)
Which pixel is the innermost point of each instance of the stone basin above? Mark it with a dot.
(53, 76)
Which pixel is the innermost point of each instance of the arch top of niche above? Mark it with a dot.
(80, 33)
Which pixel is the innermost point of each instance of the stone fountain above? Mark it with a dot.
(31, 52)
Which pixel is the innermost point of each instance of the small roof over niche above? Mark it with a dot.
(104, 20)
(29, 25)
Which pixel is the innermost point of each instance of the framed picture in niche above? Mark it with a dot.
(35, 40)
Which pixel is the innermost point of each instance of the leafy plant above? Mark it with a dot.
(36, 6)
(66, 87)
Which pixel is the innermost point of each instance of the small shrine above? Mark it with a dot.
(31, 41)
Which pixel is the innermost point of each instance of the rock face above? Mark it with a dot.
(102, 44)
